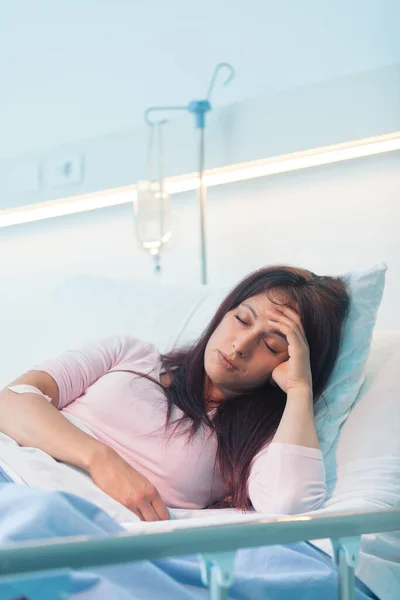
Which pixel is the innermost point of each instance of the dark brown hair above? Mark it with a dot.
(247, 422)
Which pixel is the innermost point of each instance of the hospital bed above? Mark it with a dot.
(359, 525)
(216, 545)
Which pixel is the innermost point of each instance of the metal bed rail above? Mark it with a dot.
(216, 545)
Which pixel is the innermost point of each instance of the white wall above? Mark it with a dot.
(81, 68)
(330, 219)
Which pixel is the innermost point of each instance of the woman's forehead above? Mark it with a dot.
(270, 299)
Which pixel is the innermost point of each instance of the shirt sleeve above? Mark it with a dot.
(76, 370)
(287, 479)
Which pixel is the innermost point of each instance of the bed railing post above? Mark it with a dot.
(346, 553)
(217, 572)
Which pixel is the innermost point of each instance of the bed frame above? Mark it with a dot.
(216, 545)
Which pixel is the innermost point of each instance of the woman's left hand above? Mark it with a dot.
(295, 372)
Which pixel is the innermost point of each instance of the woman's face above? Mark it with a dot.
(243, 350)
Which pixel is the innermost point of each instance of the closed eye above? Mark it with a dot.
(271, 349)
(246, 324)
(240, 320)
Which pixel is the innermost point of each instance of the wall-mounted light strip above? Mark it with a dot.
(288, 162)
(67, 206)
(213, 177)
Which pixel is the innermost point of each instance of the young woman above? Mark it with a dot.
(228, 421)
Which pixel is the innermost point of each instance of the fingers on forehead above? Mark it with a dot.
(282, 298)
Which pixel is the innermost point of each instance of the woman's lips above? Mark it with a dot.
(225, 362)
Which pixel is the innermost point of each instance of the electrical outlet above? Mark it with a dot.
(63, 170)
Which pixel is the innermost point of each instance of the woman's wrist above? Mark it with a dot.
(297, 425)
(300, 394)
(97, 453)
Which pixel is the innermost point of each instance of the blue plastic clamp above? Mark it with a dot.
(222, 563)
(351, 549)
(199, 108)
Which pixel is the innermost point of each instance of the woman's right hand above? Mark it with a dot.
(118, 479)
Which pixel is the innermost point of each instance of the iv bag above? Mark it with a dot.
(152, 216)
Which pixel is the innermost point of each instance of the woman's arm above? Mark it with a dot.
(294, 378)
(287, 479)
(31, 420)
(297, 425)
(288, 475)
(76, 370)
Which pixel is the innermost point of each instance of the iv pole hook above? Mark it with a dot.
(153, 109)
(218, 68)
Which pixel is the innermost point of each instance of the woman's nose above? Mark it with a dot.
(243, 346)
(238, 351)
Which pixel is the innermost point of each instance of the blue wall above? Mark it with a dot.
(311, 116)
(81, 68)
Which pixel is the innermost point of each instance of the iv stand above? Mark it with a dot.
(198, 108)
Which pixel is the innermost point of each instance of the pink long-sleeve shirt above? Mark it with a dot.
(128, 413)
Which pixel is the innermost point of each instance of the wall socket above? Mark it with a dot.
(63, 170)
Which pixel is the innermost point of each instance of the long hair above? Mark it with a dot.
(247, 422)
